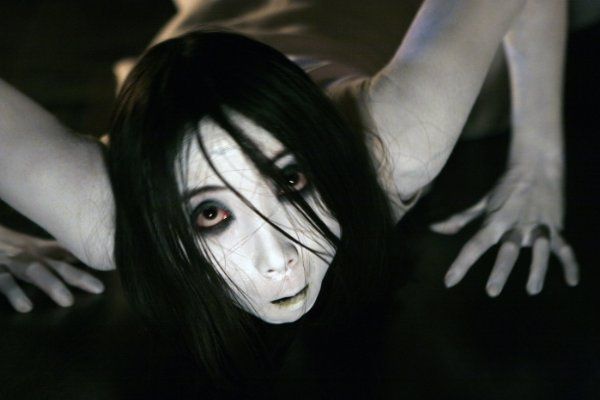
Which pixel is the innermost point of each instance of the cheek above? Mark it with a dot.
(326, 216)
(232, 261)
(333, 225)
(317, 204)
(246, 288)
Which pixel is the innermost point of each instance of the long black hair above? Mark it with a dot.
(165, 273)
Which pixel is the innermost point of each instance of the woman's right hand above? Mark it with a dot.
(42, 263)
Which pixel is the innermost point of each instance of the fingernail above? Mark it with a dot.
(64, 298)
(436, 227)
(493, 290)
(538, 288)
(23, 305)
(94, 285)
(450, 279)
(440, 228)
(533, 290)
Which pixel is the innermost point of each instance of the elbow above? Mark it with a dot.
(101, 261)
(412, 174)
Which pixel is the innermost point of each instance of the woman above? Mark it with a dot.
(194, 104)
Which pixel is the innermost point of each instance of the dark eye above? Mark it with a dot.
(209, 215)
(294, 178)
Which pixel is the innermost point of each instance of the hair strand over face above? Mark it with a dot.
(165, 273)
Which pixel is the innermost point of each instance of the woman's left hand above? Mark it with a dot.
(524, 209)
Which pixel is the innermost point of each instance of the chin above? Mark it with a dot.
(279, 320)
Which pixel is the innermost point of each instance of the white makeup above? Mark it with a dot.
(273, 277)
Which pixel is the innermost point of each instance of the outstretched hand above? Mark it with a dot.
(524, 209)
(42, 263)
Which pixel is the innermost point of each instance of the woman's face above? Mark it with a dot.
(272, 276)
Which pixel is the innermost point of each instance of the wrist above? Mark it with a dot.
(538, 148)
(538, 165)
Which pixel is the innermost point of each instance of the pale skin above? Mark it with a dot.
(262, 264)
(417, 104)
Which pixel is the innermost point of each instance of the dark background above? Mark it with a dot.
(433, 343)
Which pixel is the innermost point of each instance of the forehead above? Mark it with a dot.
(224, 153)
(217, 140)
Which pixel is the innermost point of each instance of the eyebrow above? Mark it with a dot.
(279, 155)
(203, 189)
(217, 188)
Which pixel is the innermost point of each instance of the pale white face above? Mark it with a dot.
(273, 277)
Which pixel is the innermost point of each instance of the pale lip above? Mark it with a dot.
(301, 294)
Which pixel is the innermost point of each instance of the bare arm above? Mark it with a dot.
(535, 48)
(525, 208)
(56, 178)
(418, 103)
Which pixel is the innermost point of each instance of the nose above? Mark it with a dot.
(274, 254)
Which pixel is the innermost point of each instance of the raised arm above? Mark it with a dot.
(419, 102)
(526, 207)
(56, 178)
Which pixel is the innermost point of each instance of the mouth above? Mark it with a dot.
(291, 300)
